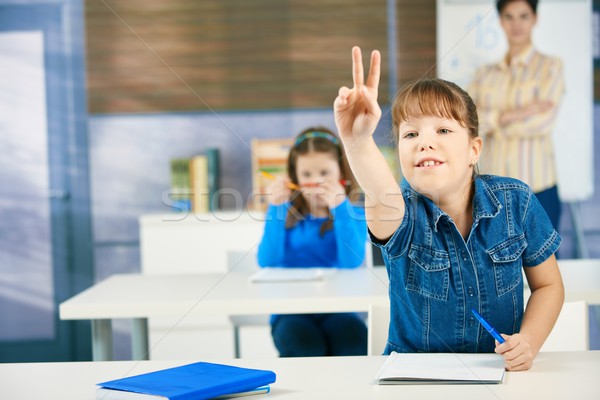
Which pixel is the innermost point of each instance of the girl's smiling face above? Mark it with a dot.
(436, 155)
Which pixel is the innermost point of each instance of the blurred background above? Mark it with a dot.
(97, 96)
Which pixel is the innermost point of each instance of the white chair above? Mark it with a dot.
(378, 326)
(581, 279)
(255, 327)
(194, 244)
(571, 331)
(260, 323)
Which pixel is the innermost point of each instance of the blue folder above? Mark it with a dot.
(195, 381)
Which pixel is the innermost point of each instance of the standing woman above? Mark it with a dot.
(517, 100)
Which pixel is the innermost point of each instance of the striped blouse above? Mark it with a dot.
(522, 149)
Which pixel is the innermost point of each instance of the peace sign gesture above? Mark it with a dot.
(356, 110)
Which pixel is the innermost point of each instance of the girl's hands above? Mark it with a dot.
(278, 191)
(328, 193)
(356, 110)
(517, 352)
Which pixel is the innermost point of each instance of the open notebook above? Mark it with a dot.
(278, 274)
(404, 368)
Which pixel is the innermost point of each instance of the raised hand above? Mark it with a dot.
(356, 110)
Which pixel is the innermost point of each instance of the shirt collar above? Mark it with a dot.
(521, 59)
(485, 203)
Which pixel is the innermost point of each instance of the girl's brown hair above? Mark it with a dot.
(435, 97)
(319, 140)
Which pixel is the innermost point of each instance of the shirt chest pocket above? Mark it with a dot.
(428, 272)
(507, 263)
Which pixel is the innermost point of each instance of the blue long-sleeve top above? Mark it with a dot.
(303, 246)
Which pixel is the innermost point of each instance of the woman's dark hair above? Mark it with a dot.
(319, 140)
(500, 4)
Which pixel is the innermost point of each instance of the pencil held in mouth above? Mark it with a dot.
(272, 177)
(343, 182)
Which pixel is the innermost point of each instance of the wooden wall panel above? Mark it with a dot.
(190, 55)
(416, 39)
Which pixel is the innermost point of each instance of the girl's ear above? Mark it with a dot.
(476, 147)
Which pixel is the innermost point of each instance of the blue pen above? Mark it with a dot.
(488, 327)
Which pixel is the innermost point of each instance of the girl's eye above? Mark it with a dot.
(410, 135)
(444, 131)
(324, 173)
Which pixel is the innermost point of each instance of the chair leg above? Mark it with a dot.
(236, 340)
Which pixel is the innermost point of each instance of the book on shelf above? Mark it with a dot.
(416, 368)
(181, 191)
(196, 381)
(270, 156)
(214, 175)
(199, 183)
(195, 182)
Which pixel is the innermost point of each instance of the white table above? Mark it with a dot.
(581, 278)
(554, 376)
(142, 296)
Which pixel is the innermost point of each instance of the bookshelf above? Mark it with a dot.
(269, 155)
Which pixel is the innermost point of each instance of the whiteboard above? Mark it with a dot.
(469, 35)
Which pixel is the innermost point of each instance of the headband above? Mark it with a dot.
(315, 134)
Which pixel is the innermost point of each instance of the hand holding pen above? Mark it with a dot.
(515, 349)
(488, 327)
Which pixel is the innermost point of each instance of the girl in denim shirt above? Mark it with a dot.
(313, 224)
(452, 240)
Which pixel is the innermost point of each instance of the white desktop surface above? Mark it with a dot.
(142, 296)
(559, 375)
(581, 278)
(231, 293)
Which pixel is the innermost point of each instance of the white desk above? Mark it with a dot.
(554, 376)
(142, 296)
(581, 278)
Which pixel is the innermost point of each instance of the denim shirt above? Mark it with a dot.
(436, 277)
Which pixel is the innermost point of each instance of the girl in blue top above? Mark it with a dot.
(452, 240)
(315, 225)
